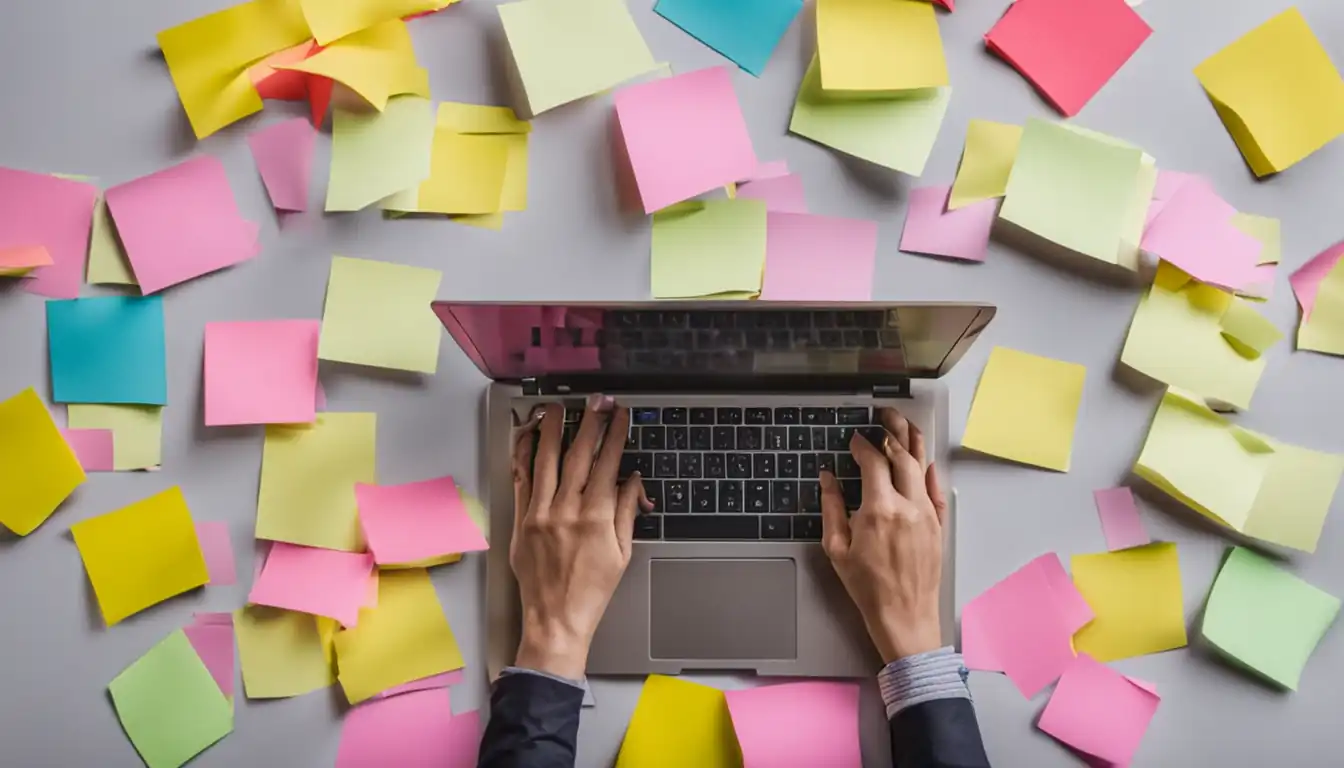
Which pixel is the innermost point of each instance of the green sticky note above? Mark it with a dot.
(377, 154)
(169, 705)
(378, 314)
(1265, 618)
(708, 248)
(896, 131)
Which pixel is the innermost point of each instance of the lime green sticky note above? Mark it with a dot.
(137, 432)
(896, 132)
(378, 314)
(1265, 618)
(1323, 331)
(377, 154)
(1265, 229)
(1295, 497)
(108, 264)
(707, 248)
(169, 705)
(1248, 331)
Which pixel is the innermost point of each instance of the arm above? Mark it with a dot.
(929, 710)
(534, 722)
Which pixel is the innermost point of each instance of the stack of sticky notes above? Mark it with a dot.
(1025, 409)
(45, 223)
(677, 722)
(1319, 288)
(377, 314)
(38, 468)
(261, 372)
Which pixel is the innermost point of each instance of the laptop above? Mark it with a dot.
(735, 409)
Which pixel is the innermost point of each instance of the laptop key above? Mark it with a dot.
(739, 465)
(703, 496)
(712, 528)
(665, 465)
(648, 527)
(724, 438)
(643, 416)
(758, 495)
(677, 496)
(807, 528)
(749, 438)
(787, 416)
(627, 465)
(644, 464)
(763, 466)
(784, 497)
(809, 497)
(846, 466)
(825, 463)
(837, 438)
(818, 438)
(654, 490)
(776, 527)
(776, 438)
(688, 465)
(716, 465)
(788, 465)
(678, 439)
(852, 490)
(875, 435)
(800, 439)
(758, 416)
(653, 438)
(700, 438)
(728, 415)
(678, 416)
(852, 415)
(730, 496)
(807, 465)
(702, 415)
(632, 440)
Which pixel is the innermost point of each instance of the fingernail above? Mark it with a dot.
(601, 403)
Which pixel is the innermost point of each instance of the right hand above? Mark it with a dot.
(889, 555)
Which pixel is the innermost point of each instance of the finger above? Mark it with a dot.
(834, 523)
(917, 446)
(873, 468)
(627, 507)
(906, 473)
(546, 466)
(897, 425)
(522, 472)
(935, 490)
(608, 464)
(579, 457)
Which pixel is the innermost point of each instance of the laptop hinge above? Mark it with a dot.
(897, 389)
(544, 386)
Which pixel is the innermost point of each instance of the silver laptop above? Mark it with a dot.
(736, 407)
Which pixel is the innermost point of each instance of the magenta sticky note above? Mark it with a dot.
(284, 156)
(442, 680)
(262, 372)
(1120, 521)
(810, 723)
(783, 193)
(416, 521)
(684, 135)
(1068, 49)
(1098, 711)
(768, 170)
(218, 552)
(415, 729)
(1307, 279)
(818, 258)
(54, 213)
(323, 582)
(93, 448)
(1194, 232)
(211, 635)
(933, 230)
(180, 223)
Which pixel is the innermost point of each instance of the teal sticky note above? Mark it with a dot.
(745, 31)
(107, 350)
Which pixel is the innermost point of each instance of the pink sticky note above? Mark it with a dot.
(1195, 233)
(933, 230)
(218, 551)
(1068, 49)
(322, 582)
(284, 156)
(1098, 711)
(811, 723)
(1307, 279)
(1165, 188)
(180, 223)
(684, 135)
(1069, 602)
(415, 729)
(93, 448)
(416, 521)
(442, 680)
(818, 258)
(371, 592)
(780, 193)
(261, 372)
(1120, 521)
(54, 213)
(211, 635)
(768, 170)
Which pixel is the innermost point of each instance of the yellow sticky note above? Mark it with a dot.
(137, 432)
(334, 19)
(679, 723)
(308, 476)
(141, 555)
(1025, 409)
(376, 63)
(1136, 595)
(405, 638)
(208, 58)
(281, 653)
(1277, 92)
(1265, 229)
(1247, 331)
(378, 314)
(1295, 496)
(1323, 331)
(986, 162)
(466, 174)
(38, 469)
(376, 155)
(707, 248)
(879, 45)
(479, 118)
(108, 264)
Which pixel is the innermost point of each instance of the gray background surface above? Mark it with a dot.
(83, 91)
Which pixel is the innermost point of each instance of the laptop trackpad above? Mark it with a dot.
(723, 609)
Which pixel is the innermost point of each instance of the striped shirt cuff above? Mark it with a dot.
(923, 677)
(580, 684)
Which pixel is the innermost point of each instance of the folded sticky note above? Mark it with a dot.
(93, 448)
(986, 161)
(745, 31)
(1265, 618)
(818, 258)
(707, 248)
(1120, 521)
(378, 314)
(20, 260)
(677, 722)
(169, 705)
(284, 156)
(413, 729)
(1136, 594)
(38, 469)
(261, 372)
(108, 264)
(55, 214)
(308, 476)
(1277, 92)
(141, 555)
(811, 723)
(1248, 331)
(879, 45)
(107, 350)
(1195, 232)
(932, 227)
(283, 84)
(375, 63)
(331, 20)
(1322, 325)
(374, 155)
(1099, 712)
(1025, 409)
(137, 432)
(211, 636)
(783, 194)
(416, 521)
(1306, 280)
(281, 653)
(1265, 229)
(323, 582)
(218, 552)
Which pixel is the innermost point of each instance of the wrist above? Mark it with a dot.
(899, 639)
(553, 650)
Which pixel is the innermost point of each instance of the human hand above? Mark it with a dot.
(889, 555)
(572, 533)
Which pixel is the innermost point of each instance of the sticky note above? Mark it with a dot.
(896, 132)
(818, 258)
(38, 469)
(879, 46)
(1295, 496)
(933, 228)
(466, 174)
(745, 31)
(1120, 521)
(1248, 331)
(374, 155)
(1195, 232)
(20, 260)
(433, 682)
(308, 476)
(280, 652)
(782, 194)
(92, 447)
(1265, 229)
(1136, 594)
(810, 723)
(169, 705)
(331, 20)
(218, 552)
(108, 264)
(282, 84)
(1025, 409)
(1307, 279)
(1266, 619)
(375, 63)
(684, 135)
(211, 636)
(377, 313)
(414, 729)
(180, 223)
(141, 555)
(405, 638)
(986, 162)
(323, 582)
(1099, 712)
(53, 213)
(416, 521)
(708, 248)
(1277, 92)
(261, 372)
(137, 432)
(107, 350)
(679, 722)
(283, 153)
(1322, 325)
(1068, 49)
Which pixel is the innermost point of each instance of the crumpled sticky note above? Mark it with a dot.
(38, 469)
(1136, 594)
(332, 20)
(1025, 409)
(376, 63)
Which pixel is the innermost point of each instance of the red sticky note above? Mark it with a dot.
(218, 552)
(1068, 49)
(93, 448)
(415, 729)
(284, 156)
(818, 258)
(1120, 521)
(416, 521)
(323, 582)
(1099, 711)
(261, 372)
(54, 213)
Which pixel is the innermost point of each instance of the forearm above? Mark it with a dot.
(932, 720)
(534, 721)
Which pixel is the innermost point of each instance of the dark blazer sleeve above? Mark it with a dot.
(534, 723)
(942, 733)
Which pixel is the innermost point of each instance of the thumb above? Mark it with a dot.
(834, 523)
(627, 506)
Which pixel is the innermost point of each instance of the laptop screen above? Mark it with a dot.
(712, 339)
